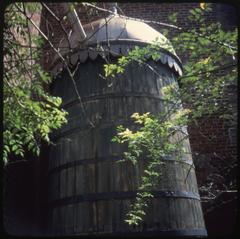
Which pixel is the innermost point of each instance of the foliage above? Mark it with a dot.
(210, 66)
(207, 73)
(30, 112)
(204, 81)
(152, 142)
(140, 55)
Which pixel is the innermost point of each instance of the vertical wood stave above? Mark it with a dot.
(84, 161)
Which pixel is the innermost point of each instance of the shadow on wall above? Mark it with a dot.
(24, 196)
(222, 218)
(19, 198)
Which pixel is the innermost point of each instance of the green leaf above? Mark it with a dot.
(14, 147)
(173, 17)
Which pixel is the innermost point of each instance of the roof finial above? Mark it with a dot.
(115, 8)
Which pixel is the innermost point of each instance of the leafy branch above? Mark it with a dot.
(30, 113)
(154, 140)
(201, 91)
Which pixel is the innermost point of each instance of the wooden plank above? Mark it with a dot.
(86, 216)
(70, 181)
(80, 218)
(89, 175)
(107, 215)
(79, 180)
(69, 219)
(100, 216)
(75, 215)
(66, 149)
(188, 220)
(174, 215)
(62, 186)
(194, 212)
(61, 220)
(179, 217)
(165, 213)
(53, 187)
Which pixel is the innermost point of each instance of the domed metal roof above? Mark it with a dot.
(119, 35)
(120, 28)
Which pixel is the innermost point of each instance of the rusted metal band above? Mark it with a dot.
(101, 159)
(84, 128)
(198, 232)
(92, 197)
(116, 95)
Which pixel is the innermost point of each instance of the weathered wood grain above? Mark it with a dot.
(87, 185)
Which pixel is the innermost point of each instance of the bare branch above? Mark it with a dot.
(131, 18)
(161, 24)
(30, 42)
(59, 21)
(65, 64)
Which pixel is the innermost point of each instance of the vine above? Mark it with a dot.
(207, 73)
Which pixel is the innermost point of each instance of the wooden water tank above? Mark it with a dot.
(89, 192)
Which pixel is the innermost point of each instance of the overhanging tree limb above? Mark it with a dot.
(65, 64)
(161, 24)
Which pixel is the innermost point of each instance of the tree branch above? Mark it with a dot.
(60, 23)
(160, 24)
(65, 64)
